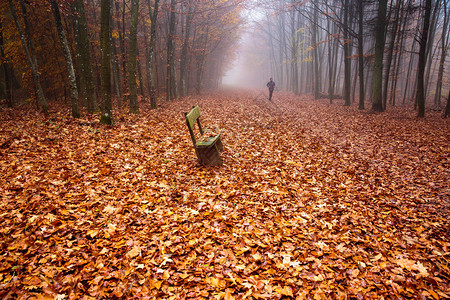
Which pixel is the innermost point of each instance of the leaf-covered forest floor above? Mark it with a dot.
(313, 201)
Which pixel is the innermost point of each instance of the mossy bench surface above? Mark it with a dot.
(209, 145)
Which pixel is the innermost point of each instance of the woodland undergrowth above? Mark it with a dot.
(313, 201)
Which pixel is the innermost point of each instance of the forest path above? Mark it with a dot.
(313, 200)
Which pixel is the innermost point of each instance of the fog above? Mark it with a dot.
(251, 67)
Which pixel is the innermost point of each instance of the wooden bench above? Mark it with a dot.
(209, 145)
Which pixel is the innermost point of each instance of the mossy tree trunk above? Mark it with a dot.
(68, 59)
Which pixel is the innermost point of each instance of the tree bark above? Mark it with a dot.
(377, 95)
(420, 96)
(134, 107)
(29, 51)
(68, 59)
(105, 28)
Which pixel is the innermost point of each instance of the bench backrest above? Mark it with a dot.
(191, 118)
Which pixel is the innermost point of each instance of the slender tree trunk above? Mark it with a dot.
(139, 72)
(294, 81)
(316, 52)
(68, 59)
(361, 54)
(114, 61)
(170, 77)
(154, 15)
(5, 68)
(377, 95)
(30, 54)
(429, 52)
(347, 61)
(420, 96)
(390, 52)
(398, 54)
(184, 50)
(84, 54)
(105, 28)
(444, 47)
(134, 108)
(330, 63)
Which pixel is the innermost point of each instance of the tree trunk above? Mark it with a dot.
(68, 59)
(361, 54)
(347, 61)
(105, 28)
(429, 53)
(316, 52)
(30, 54)
(84, 55)
(184, 50)
(377, 95)
(134, 108)
(151, 51)
(390, 53)
(170, 76)
(5, 68)
(114, 62)
(420, 96)
(444, 46)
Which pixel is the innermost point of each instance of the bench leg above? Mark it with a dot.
(209, 156)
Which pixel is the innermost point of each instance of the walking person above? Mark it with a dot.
(271, 86)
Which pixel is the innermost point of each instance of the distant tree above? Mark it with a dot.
(106, 117)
